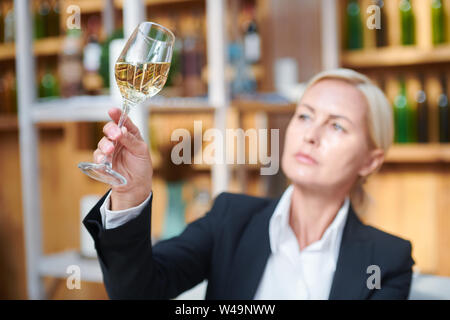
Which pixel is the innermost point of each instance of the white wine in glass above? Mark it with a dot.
(137, 82)
(141, 72)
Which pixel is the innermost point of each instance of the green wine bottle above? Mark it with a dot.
(438, 22)
(401, 114)
(354, 26)
(408, 36)
(422, 112)
(104, 57)
(48, 86)
(44, 10)
(39, 27)
(443, 105)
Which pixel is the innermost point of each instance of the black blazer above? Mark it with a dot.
(229, 247)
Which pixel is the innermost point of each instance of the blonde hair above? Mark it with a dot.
(379, 119)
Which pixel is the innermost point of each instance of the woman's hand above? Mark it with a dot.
(131, 159)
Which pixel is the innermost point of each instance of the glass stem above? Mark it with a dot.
(125, 109)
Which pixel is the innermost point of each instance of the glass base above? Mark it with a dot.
(103, 173)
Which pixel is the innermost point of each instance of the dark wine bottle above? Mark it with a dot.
(2, 25)
(381, 34)
(53, 19)
(438, 21)
(354, 26)
(3, 106)
(408, 36)
(422, 112)
(443, 105)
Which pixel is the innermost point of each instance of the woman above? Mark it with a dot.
(307, 244)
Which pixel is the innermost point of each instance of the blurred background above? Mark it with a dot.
(270, 48)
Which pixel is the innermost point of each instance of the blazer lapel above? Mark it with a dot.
(251, 255)
(355, 256)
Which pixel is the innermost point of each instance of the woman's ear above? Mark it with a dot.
(373, 161)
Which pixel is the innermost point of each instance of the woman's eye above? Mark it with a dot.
(338, 127)
(303, 116)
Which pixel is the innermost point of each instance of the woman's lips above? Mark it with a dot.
(304, 158)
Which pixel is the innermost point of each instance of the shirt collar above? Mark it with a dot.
(279, 223)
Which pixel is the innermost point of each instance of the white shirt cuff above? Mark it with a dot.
(114, 219)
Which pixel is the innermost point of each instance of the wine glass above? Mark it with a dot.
(141, 71)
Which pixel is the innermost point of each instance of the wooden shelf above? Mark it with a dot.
(395, 56)
(419, 153)
(93, 6)
(260, 106)
(42, 47)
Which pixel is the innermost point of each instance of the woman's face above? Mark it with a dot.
(326, 144)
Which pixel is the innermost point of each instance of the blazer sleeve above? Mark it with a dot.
(133, 269)
(396, 284)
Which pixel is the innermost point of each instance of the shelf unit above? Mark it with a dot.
(91, 6)
(42, 47)
(395, 56)
(33, 113)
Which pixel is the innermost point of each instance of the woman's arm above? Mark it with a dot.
(132, 269)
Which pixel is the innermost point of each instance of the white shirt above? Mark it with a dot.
(114, 219)
(294, 274)
(289, 273)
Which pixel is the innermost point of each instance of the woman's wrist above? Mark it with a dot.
(127, 200)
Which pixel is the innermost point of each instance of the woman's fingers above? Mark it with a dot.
(136, 146)
(106, 146)
(115, 113)
(98, 156)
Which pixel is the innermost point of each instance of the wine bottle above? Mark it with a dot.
(92, 80)
(381, 34)
(408, 36)
(48, 85)
(3, 106)
(443, 105)
(438, 22)
(71, 68)
(422, 112)
(401, 114)
(13, 93)
(39, 27)
(192, 57)
(104, 58)
(9, 25)
(53, 19)
(354, 26)
(174, 77)
(252, 42)
(43, 12)
(2, 24)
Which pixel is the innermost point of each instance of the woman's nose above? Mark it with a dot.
(312, 135)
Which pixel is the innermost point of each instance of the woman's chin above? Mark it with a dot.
(303, 176)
